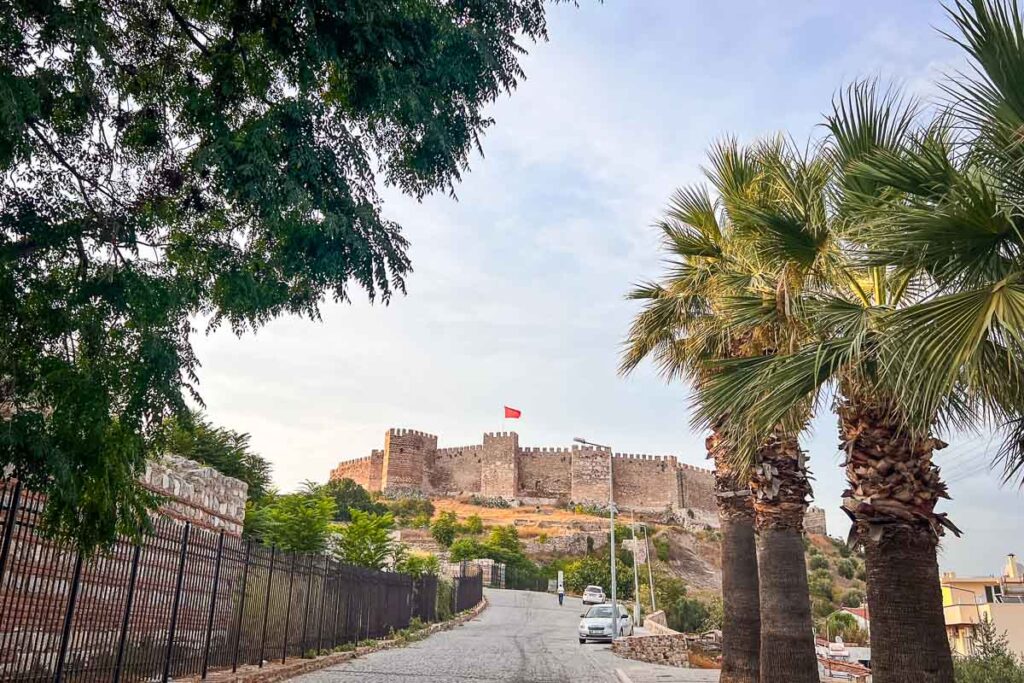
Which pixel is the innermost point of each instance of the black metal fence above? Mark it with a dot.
(184, 601)
(468, 589)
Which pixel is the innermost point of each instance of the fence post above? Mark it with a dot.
(323, 608)
(12, 513)
(129, 601)
(213, 603)
(266, 603)
(288, 611)
(305, 608)
(69, 616)
(241, 606)
(176, 605)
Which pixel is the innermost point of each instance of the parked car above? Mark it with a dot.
(596, 623)
(593, 595)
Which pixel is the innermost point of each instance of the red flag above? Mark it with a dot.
(512, 412)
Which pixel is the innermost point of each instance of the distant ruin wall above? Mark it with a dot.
(499, 475)
(454, 471)
(357, 470)
(814, 521)
(499, 467)
(545, 473)
(696, 488)
(590, 476)
(645, 482)
(405, 455)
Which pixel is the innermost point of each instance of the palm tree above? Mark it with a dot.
(924, 334)
(681, 325)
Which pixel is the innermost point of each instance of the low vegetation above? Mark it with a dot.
(992, 662)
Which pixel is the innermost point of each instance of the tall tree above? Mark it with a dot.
(907, 350)
(168, 161)
(679, 328)
(192, 436)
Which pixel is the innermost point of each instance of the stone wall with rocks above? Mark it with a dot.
(668, 649)
(545, 473)
(405, 455)
(454, 471)
(645, 482)
(814, 521)
(198, 494)
(499, 473)
(358, 470)
(696, 488)
(590, 482)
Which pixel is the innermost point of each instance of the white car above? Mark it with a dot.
(596, 623)
(593, 595)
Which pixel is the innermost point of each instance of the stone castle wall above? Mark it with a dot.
(499, 467)
(814, 521)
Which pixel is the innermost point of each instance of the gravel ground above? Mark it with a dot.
(520, 637)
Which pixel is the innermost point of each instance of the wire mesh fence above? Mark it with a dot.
(184, 601)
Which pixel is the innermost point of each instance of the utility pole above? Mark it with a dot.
(611, 520)
(650, 574)
(636, 574)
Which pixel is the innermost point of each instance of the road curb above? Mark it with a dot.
(271, 673)
(623, 678)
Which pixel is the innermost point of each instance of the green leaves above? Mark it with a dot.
(164, 162)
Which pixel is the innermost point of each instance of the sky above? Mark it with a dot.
(518, 292)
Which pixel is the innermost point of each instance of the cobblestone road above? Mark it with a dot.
(520, 637)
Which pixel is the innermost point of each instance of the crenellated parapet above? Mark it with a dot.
(500, 467)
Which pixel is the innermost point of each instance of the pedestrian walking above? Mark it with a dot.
(561, 594)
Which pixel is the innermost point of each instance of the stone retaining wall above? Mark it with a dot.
(668, 649)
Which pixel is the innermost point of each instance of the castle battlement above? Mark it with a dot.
(410, 432)
(499, 467)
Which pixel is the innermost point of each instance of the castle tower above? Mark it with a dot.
(591, 469)
(499, 472)
(406, 454)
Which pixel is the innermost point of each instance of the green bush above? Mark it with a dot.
(819, 583)
(661, 548)
(474, 525)
(846, 569)
(818, 562)
(444, 599)
(484, 502)
(595, 570)
(443, 528)
(852, 598)
(405, 509)
(417, 565)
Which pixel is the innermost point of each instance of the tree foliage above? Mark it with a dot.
(298, 522)
(348, 495)
(193, 436)
(366, 540)
(444, 527)
(164, 162)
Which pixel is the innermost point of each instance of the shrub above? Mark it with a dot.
(594, 570)
(818, 562)
(661, 548)
(820, 584)
(474, 525)
(366, 541)
(506, 537)
(846, 568)
(405, 509)
(443, 528)
(420, 521)
(542, 538)
(484, 502)
(417, 565)
(298, 522)
(862, 573)
(852, 598)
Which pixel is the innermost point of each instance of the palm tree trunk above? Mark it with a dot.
(741, 618)
(781, 487)
(893, 490)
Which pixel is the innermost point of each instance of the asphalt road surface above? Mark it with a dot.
(520, 637)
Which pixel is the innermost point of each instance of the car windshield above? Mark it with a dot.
(599, 611)
(593, 589)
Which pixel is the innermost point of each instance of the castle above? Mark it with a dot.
(411, 462)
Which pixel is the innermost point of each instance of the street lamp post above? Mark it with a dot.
(636, 574)
(650, 574)
(611, 519)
